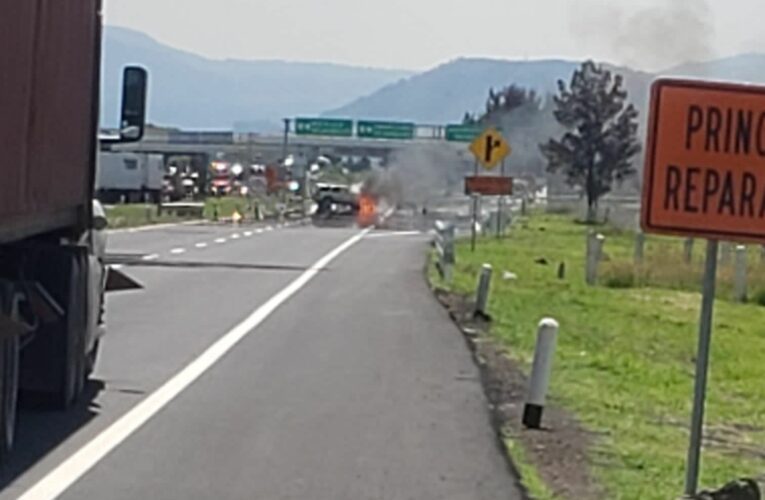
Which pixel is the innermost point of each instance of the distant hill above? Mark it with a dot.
(741, 68)
(190, 91)
(446, 92)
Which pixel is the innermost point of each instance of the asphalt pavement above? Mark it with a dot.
(290, 363)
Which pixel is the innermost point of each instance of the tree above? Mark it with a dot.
(508, 99)
(601, 133)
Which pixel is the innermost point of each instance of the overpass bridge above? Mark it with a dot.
(270, 148)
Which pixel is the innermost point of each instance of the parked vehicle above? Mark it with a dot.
(129, 177)
(52, 270)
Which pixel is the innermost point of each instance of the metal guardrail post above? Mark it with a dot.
(482, 293)
(547, 336)
(444, 243)
(739, 282)
(594, 253)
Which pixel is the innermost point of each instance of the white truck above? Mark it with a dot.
(129, 177)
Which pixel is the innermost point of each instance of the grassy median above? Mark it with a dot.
(625, 357)
(140, 214)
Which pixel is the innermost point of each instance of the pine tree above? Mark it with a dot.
(601, 138)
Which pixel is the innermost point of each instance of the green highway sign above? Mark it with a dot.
(462, 133)
(324, 126)
(385, 130)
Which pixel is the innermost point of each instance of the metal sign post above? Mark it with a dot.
(475, 212)
(500, 202)
(702, 366)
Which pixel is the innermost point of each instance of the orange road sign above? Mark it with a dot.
(489, 185)
(490, 148)
(705, 161)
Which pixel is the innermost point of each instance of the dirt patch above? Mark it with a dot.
(559, 451)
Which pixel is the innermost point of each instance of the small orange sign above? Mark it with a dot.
(489, 185)
(705, 161)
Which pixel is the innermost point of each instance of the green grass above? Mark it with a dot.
(537, 489)
(624, 361)
(132, 215)
(123, 216)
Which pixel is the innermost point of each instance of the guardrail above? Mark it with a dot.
(444, 244)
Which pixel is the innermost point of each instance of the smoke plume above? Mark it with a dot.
(652, 38)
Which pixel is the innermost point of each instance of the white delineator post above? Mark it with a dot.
(594, 252)
(482, 293)
(547, 336)
(739, 283)
(639, 247)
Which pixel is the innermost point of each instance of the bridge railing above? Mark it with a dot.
(443, 242)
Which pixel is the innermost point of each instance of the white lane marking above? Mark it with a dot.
(248, 234)
(177, 251)
(68, 472)
(220, 240)
(394, 233)
(153, 227)
(235, 236)
(117, 266)
(269, 228)
(153, 256)
(258, 231)
(201, 244)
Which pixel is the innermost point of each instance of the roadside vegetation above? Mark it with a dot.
(141, 214)
(625, 357)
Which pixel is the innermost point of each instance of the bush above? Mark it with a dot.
(759, 297)
(620, 275)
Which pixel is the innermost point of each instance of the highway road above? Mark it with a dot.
(284, 363)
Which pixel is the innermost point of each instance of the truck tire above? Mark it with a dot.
(9, 392)
(53, 364)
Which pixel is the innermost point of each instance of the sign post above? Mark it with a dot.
(702, 368)
(499, 202)
(489, 149)
(475, 210)
(704, 176)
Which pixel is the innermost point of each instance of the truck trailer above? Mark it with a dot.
(129, 177)
(52, 269)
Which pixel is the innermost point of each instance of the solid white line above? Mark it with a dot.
(248, 234)
(201, 245)
(68, 472)
(220, 240)
(235, 236)
(153, 256)
(176, 251)
(394, 233)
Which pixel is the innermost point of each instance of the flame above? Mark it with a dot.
(367, 210)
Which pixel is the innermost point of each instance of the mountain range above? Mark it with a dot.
(190, 91)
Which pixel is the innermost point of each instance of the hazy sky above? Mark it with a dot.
(419, 34)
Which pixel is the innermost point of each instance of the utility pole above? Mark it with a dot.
(286, 138)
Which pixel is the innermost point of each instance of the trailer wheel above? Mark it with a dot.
(53, 364)
(91, 359)
(9, 391)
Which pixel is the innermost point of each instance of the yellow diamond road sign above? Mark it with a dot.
(490, 148)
